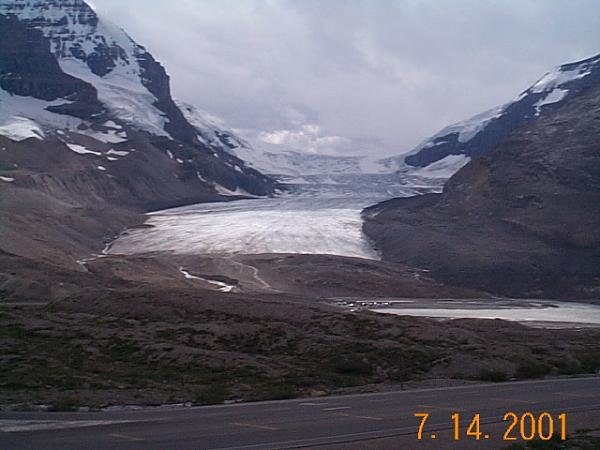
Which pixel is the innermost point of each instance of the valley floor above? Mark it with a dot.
(167, 327)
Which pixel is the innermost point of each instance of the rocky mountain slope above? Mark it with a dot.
(90, 135)
(457, 144)
(523, 219)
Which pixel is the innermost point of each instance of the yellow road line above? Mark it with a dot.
(124, 436)
(251, 425)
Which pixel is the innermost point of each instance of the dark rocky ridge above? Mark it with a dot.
(522, 220)
(514, 114)
(155, 78)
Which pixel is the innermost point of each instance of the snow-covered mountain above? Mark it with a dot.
(318, 175)
(68, 74)
(455, 145)
(274, 159)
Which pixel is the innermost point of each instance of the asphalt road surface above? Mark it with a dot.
(368, 421)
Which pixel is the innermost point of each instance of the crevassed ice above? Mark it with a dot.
(283, 225)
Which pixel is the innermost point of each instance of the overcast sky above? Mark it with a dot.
(355, 76)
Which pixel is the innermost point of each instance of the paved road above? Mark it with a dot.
(377, 421)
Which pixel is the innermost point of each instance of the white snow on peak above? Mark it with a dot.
(466, 130)
(122, 92)
(211, 129)
(74, 36)
(551, 86)
(558, 77)
(276, 159)
(7, 179)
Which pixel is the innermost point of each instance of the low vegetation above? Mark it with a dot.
(171, 347)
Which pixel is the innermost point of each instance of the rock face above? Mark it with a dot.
(478, 135)
(522, 220)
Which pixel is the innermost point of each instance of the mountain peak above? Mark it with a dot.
(481, 133)
(130, 83)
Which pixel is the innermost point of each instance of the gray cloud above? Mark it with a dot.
(379, 75)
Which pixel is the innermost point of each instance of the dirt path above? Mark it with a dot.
(254, 273)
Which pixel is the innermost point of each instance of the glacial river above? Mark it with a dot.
(542, 313)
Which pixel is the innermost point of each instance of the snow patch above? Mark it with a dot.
(111, 124)
(444, 168)
(7, 179)
(555, 96)
(20, 128)
(106, 137)
(469, 128)
(228, 192)
(559, 77)
(81, 150)
(117, 152)
(26, 117)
